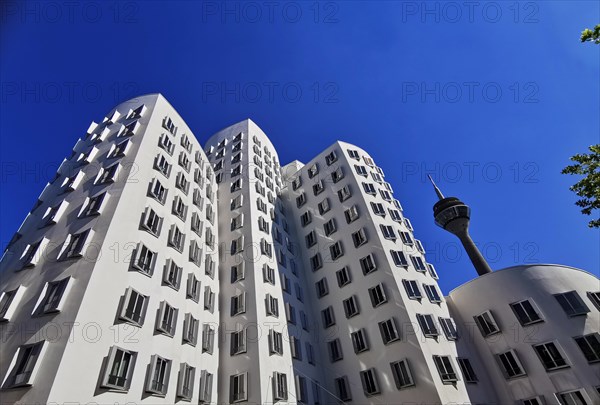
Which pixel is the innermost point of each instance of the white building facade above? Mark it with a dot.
(154, 270)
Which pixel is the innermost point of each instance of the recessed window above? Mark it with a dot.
(306, 218)
(550, 356)
(510, 364)
(74, 245)
(359, 341)
(272, 305)
(316, 262)
(335, 350)
(238, 304)
(296, 183)
(190, 329)
(313, 170)
(344, 193)
(445, 368)
(487, 324)
(467, 370)
(532, 401)
(160, 370)
(351, 214)
(330, 227)
(337, 175)
(52, 297)
(412, 289)
(378, 209)
(167, 319)
(572, 303)
(318, 187)
(172, 274)
(576, 397)
(368, 264)
(377, 295)
(301, 200)
(388, 232)
(402, 374)
(432, 293)
(343, 276)
(296, 348)
(185, 387)
(238, 387)
(151, 222)
(119, 369)
(238, 342)
(311, 239)
(290, 313)
(238, 272)
(331, 158)
(336, 250)
(328, 317)
(590, 346)
(449, 328)
(351, 307)
(134, 307)
(25, 365)
(324, 206)
(526, 312)
(399, 258)
(208, 338)
(389, 331)
(342, 388)
(280, 392)
(8, 301)
(427, 325)
(359, 237)
(369, 382)
(144, 259)
(369, 188)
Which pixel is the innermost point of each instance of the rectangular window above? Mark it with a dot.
(75, 244)
(208, 338)
(151, 222)
(296, 348)
(6, 302)
(572, 303)
(330, 227)
(369, 382)
(238, 342)
(389, 331)
(336, 250)
(550, 356)
(172, 274)
(368, 264)
(238, 273)
(272, 305)
(467, 370)
(399, 258)
(193, 288)
(92, 206)
(335, 350)
(160, 370)
(316, 262)
(209, 299)
(418, 263)
(595, 298)
(590, 346)
(343, 277)
(377, 295)
(388, 232)
(344, 193)
(306, 218)
(572, 398)
(378, 209)
(167, 319)
(331, 158)
(359, 341)
(351, 214)
(328, 317)
(449, 328)
(487, 324)
(53, 295)
(412, 289)
(313, 171)
(190, 329)
(444, 366)
(185, 387)
(337, 175)
(359, 237)
(510, 364)
(25, 360)
(119, 369)
(351, 306)
(402, 374)
(324, 206)
(279, 387)
(427, 325)
(134, 307)
(238, 304)
(526, 312)
(342, 388)
(238, 387)
(432, 293)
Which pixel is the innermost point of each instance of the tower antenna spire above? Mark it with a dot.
(437, 190)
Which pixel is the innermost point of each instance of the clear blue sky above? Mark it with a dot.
(490, 100)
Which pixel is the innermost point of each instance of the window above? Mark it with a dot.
(185, 387)
(369, 382)
(330, 227)
(268, 274)
(144, 259)
(337, 175)
(444, 366)
(310, 355)
(91, 207)
(272, 305)
(571, 303)
(108, 174)
(238, 304)
(208, 338)
(328, 317)
(290, 313)
(172, 274)
(301, 390)
(532, 401)
(406, 238)
(449, 328)
(412, 289)
(395, 215)
(427, 325)
(297, 182)
(335, 350)
(160, 163)
(432, 293)
(74, 244)
(402, 374)
(359, 341)
(313, 171)
(360, 170)
(351, 306)
(316, 262)
(237, 245)
(467, 370)
(388, 232)
(151, 222)
(134, 307)
(238, 387)
(343, 276)
(595, 298)
(342, 388)
(510, 364)
(238, 342)
(590, 346)
(33, 252)
(24, 369)
(206, 382)
(237, 272)
(432, 271)
(572, 398)
(158, 191)
(389, 332)
(318, 187)
(266, 248)
(179, 208)
(165, 143)
(550, 356)
(324, 206)
(193, 288)
(160, 369)
(306, 218)
(182, 183)
(369, 188)
(368, 264)
(331, 158)
(399, 258)
(167, 319)
(190, 329)
(378, 209)
(336, 250)
(311, 239)
(176, 238)
(418, 263)
(322, 288)
(487, 324)
(52, 297)
(195, 253)
(353, 154)
(6, 300)
(525, 312)
(351, 214)
(119, 369)
(263, 225)
(377, 295)
(359, 237)
(53, 214)
(344, 193)
(300, 200)
(209, 299)
(296, 348)
(279, 386)
(420, 247)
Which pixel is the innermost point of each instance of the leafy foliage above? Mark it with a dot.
(591, 36)
(588, 188)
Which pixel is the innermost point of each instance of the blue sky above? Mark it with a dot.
(490, 100)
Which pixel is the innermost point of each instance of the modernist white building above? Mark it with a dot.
(154, 271)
